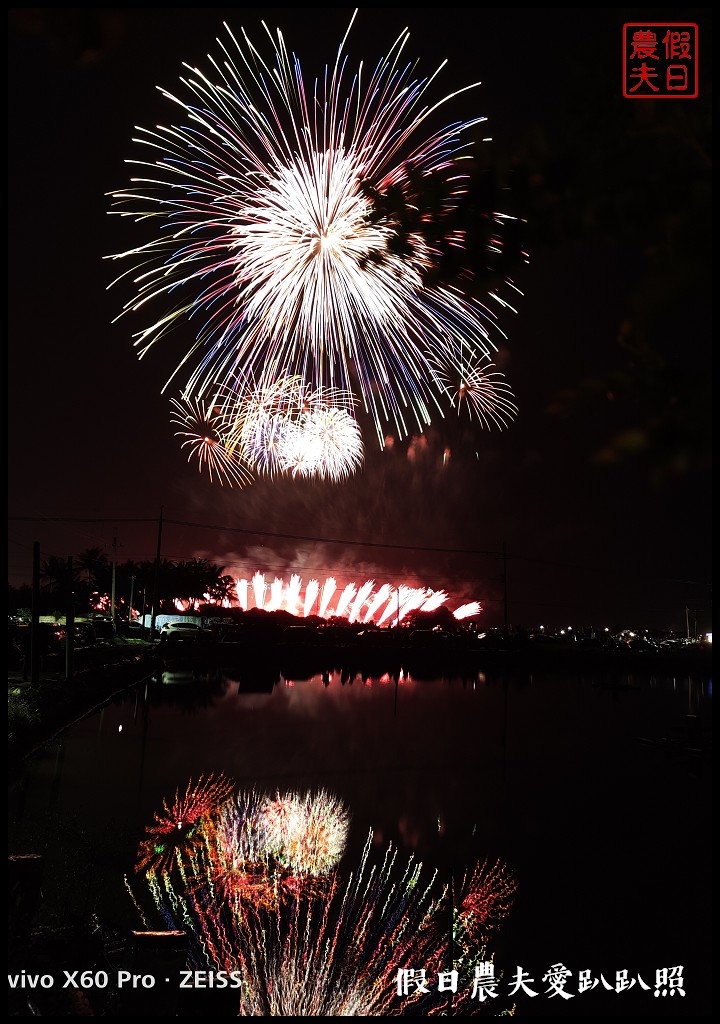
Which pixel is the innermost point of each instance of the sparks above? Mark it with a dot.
(265, 895)
(367, 602)
(271, 244)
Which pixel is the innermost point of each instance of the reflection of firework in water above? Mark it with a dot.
(307, 834)
(270, 241)
(485, 898)
(304, 941)
(178, 831)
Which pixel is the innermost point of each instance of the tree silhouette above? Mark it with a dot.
(54, 575)
(94, 563)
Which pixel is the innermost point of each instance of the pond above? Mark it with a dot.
(589, 792)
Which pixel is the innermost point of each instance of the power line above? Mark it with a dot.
(265, 533)
(344, 542)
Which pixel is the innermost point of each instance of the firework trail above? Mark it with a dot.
(259, 588)
(328, 590)
(377, 601)
(269, 240)
(405, 600)
(292, 598)
(344, 600)
(276, 594)
(361, 598)
(311, 592)
(465, 611)
(486, 898)
(262, 894)
(435, 600)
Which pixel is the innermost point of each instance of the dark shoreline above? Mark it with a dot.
(258, 664)
(455, 657)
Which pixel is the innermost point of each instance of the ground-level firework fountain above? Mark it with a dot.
(369, 602)
(257, 881)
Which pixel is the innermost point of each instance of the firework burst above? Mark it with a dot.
(486, 395)
(283, 427)
(325, 443)
(306, 835)
(208, 437)
(261, 414)
(179, 830)
(271, 243)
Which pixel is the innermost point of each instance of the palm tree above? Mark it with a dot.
(196, 578)
(54, 572)
(223, 589)
(92, 561)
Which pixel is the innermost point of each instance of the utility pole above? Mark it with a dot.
(112, 592)
(451, 928)
(505, 588)
(69, 621)
(132, 587)
(156, 582)
(35, 617)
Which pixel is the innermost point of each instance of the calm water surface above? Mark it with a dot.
(561, 776)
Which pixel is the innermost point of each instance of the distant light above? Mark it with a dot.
(708, 637)
(119, 728)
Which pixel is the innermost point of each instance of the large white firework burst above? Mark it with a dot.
(269, 240)
(285, 428)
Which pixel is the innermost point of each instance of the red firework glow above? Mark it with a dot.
(178, 829)
(381, 604)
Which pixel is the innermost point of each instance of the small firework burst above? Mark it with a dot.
(324, 443)
(207, 435)
(179, 830)
(485, 393)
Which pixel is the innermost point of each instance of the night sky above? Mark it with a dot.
(599, 492)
